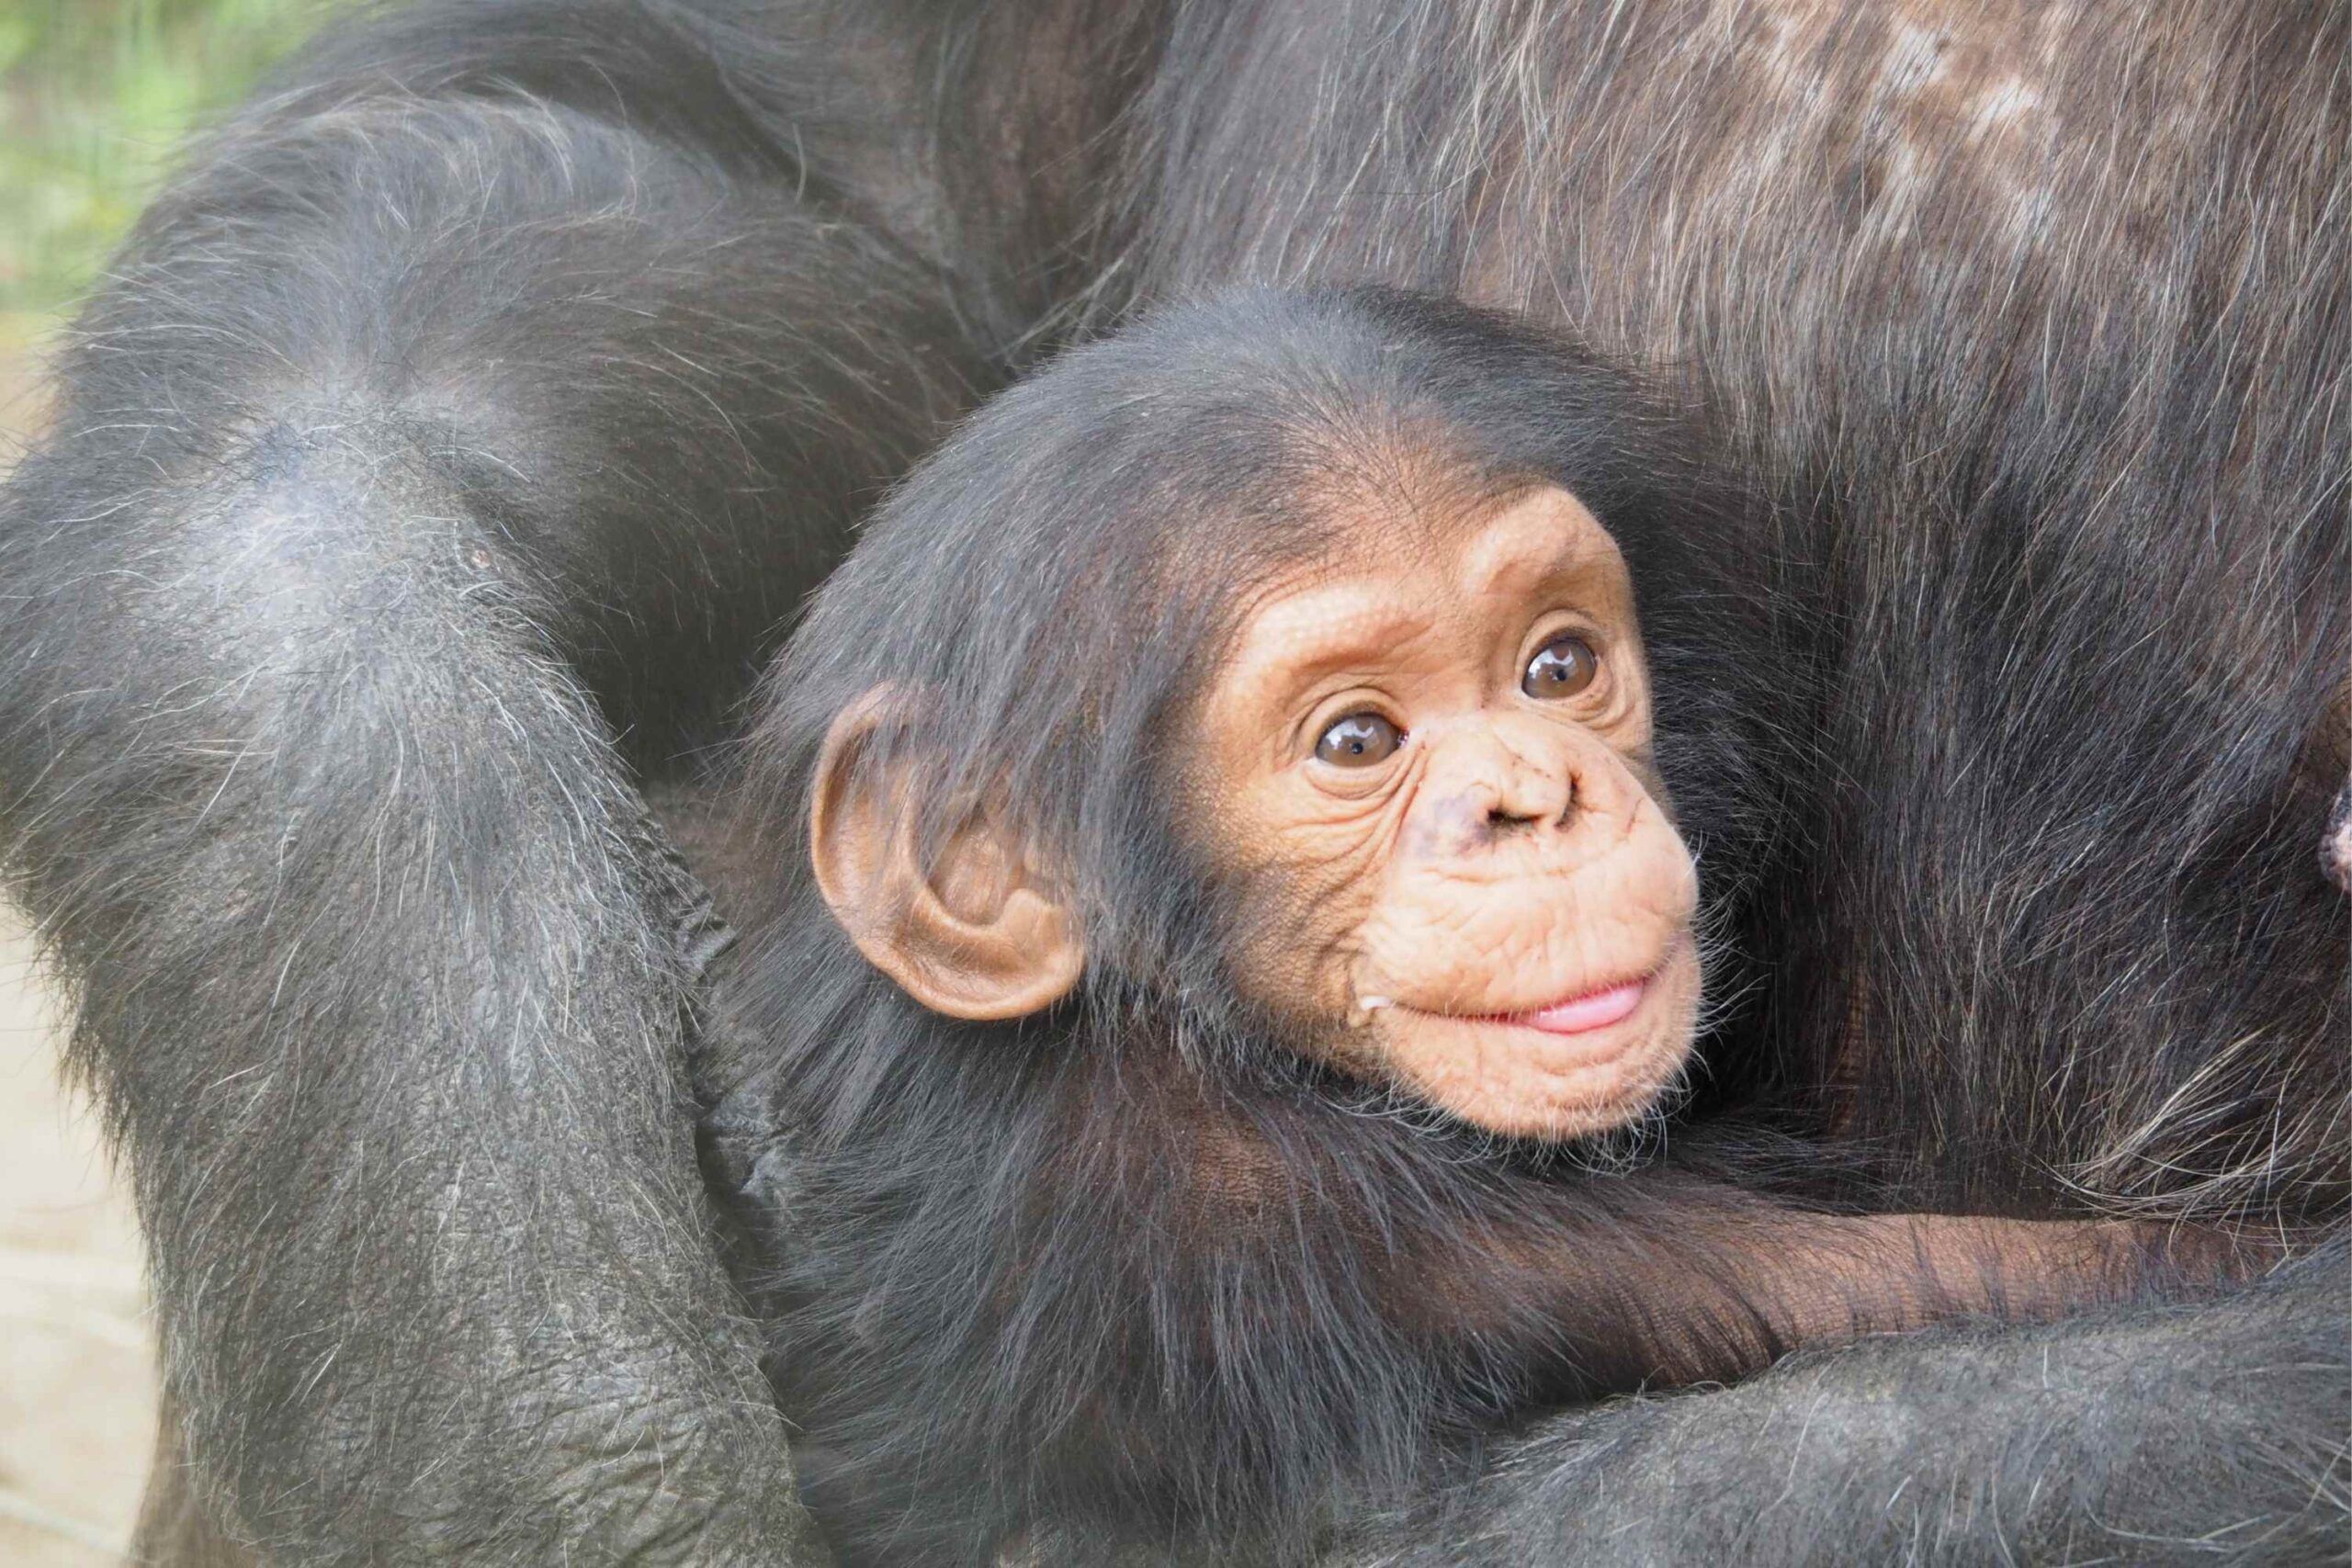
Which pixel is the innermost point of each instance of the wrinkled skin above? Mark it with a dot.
(1512, 853)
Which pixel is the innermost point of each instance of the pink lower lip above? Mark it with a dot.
(1577, 1015)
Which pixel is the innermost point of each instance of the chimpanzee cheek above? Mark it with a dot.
(1304, 898)
(1298, 937)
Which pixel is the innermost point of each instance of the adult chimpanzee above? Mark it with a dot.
(453, 432)
(1236, 744)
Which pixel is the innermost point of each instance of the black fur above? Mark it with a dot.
(478, 400)
(1005, 1287)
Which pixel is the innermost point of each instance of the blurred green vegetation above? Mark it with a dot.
(96, 97)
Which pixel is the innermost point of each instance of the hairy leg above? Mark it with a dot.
(440, 429)
(2064, 1443)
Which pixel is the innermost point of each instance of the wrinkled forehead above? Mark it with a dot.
(1397, 567)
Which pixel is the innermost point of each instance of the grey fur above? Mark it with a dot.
(456, 430)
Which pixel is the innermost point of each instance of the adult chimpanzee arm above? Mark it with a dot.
(427, 414)
(2134, 1436)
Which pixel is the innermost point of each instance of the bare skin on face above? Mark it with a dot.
(1443, 761)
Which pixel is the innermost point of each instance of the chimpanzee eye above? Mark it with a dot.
(1562, 668)
(1358, 741)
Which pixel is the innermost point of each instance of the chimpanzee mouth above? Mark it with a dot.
(1586, 1012)
(1582, 1014)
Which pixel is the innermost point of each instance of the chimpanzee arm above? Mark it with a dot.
(1671, 1281)
(424, 412)
(2145, 1435)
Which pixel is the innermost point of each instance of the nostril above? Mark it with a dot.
(1522, 811)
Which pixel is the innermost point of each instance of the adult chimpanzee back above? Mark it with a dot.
(457, 431)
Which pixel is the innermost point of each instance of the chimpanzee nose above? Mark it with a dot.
(1516, 808)
(1532, 778)
(1503, 779)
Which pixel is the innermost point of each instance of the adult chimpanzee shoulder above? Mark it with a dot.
(454, 434)
(1272, 837)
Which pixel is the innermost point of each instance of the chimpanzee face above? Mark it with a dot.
(1431, 764)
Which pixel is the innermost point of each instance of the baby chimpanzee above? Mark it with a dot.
(1236, 810)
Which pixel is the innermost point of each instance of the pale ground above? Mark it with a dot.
(77, 1386)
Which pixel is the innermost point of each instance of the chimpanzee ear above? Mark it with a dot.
(975, 934)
